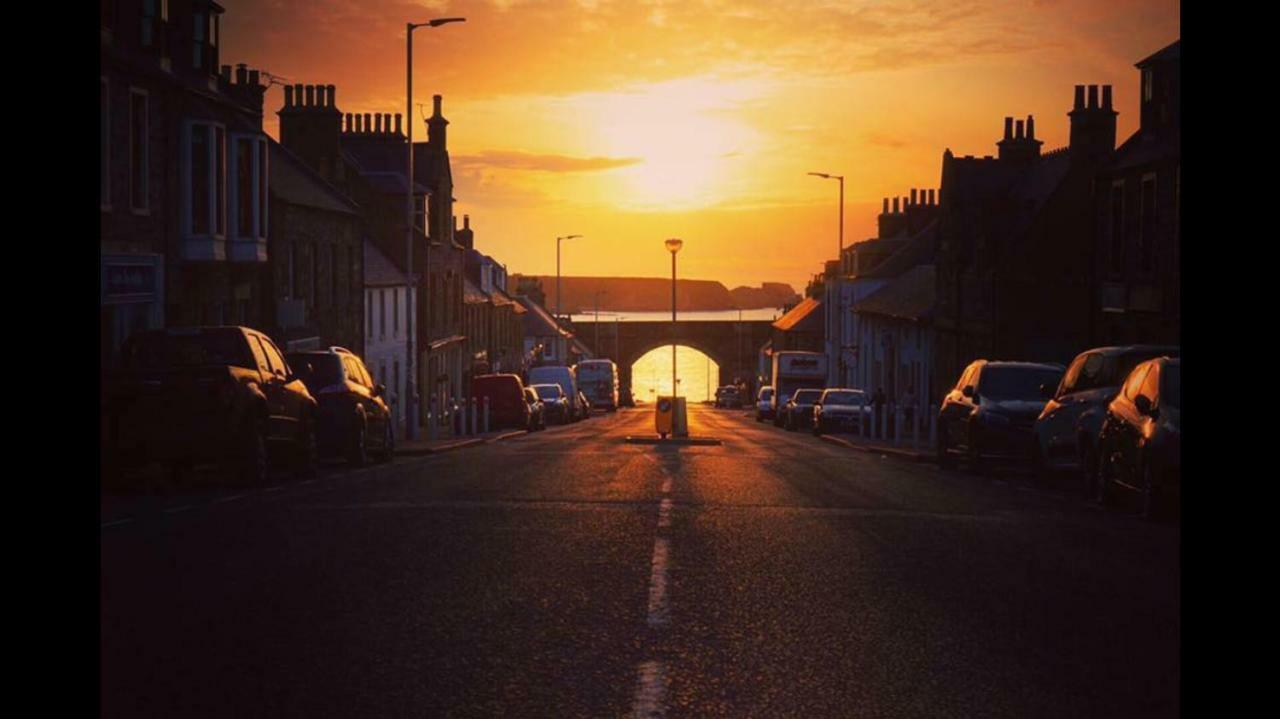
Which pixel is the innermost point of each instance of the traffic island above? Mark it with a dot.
(682, 441)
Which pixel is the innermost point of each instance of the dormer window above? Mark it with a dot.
(204, 181)
(248, 190)
(204, 41)
(155, 17)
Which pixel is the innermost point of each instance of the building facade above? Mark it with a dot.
(387, 300)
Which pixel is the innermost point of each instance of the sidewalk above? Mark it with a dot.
(423, 446)
(906, 451)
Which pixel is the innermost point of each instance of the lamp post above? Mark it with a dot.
(841, 179)
(558, 241)
(673, 246)
(410, 408)
(597, 322)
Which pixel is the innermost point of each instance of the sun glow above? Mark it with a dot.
(684, 134)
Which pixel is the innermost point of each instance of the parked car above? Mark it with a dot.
(507, 406)
(598, 380)
(585, 404)
(353, 413)
(1068, 428)
(558, 407)
(841, 409)
(798, 411)
(992, 408)
(198, 394)
(567, 378)
(727, 396)
(537, 410)
(1140, 445)
(764, 403)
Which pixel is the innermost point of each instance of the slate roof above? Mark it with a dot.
(911, 296)
(537, 321)
(291, 180)
(471, 294)
(380, 271)
(919, 249)
(1173, 51)
(801, 318)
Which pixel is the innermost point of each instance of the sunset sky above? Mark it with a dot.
(629, 122)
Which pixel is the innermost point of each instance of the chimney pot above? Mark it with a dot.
(330, 95)
(1008, 128)
(437, 99)
(1079, 105)
(297, 95)
(368, 123)
(254, 78)
(1106, 97)
(1018, 130)
(913, 197)
(320, 93)
(377, 123)
(895, 205)
(1093, 97)
(349, 123)
(311, 95)
(226, 73)
(242, 74)
(1031, 127)
(466, 222)
(884, 210)
(932, 199)
(288, 90)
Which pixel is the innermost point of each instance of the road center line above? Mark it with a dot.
(664, 513)
(658, 583)
(651, 691)
(666, 486)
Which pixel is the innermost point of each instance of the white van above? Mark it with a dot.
(598, 379)
(566, 378)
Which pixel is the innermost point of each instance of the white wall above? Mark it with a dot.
(843, 329)
(388, 347)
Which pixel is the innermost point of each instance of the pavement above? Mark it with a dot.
(568, 573)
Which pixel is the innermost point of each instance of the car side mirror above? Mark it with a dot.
(968, 391)
(379, 390)
(1143, 403)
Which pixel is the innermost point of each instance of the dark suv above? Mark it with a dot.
(992, 409)
(183, 396)
(354, 417)
(1140, 444)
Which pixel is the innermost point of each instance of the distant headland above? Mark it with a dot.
(651, 294)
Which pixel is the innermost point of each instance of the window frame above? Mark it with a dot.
(215, 201)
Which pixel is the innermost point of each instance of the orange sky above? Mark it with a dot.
(629, 122)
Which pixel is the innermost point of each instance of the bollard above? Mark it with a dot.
(431, 427)
(474, 417)
(873, 422)
(486, 415)
(897, 426)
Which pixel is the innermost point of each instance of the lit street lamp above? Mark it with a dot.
(558, 241)
(673, 246)
(411, 418)
(841, 179)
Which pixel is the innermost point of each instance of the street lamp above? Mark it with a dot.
(841, 179)
(411, 418)
(597, 322)
(673, 246)
(558, 240)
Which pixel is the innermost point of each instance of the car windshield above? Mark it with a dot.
(316, 370)
(1121, 366)
(854, 398)
(1171, 386)
(165, 351)
(1016, 382)
(548, 391)
(806, 396)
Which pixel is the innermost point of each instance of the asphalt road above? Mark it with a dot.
(569, 574)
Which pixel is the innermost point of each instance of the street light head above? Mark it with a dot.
(445, 20)
(674, 245)
(820, 174)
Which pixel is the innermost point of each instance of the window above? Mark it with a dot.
(139, 151)
(155, 13)
(1147, 82)
(1147, 230)
(262, 179)
(1071, 378)
(206, 178)
(244, 188)
(382, 311)
(104, 144)
(249, 187)
(1117, 227)
(198, 40)
(278, 364)
(260, 356)
(204, 41)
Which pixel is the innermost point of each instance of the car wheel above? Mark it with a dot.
(248, 466)
(358, 453)
(1105, 469)
(388, 443)
(945, 460)
(974, 450)
(306, 453)
(817, 429)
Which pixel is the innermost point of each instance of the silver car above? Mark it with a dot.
(840, 408)
(764, 404)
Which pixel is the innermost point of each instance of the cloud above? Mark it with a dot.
(516, 160)
(883, 140)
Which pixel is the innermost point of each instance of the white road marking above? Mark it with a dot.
(116, 523)
(651, 691)
(175, 510)
(664, 513)
(232, 498)
(658, 583)
(666, 486)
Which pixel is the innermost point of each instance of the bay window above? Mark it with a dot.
(204, 190)
(248, 190)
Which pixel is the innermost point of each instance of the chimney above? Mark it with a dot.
(436, 125)
(242, 74)
(226, 74)
(311, 95)
(332, 101)
(913, 197)
(895, 205)
(399, 131)
(311, 126)
(885, 209)
(1031, 127)
(1017, 133)
(1008, 128)
(377, 123)
(1093, 126)
(932, 198)
(288, 90)
(1079, 98)
(368, 123)
(466, 222)
(254, 78)
(350, 123)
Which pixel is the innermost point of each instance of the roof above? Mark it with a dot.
(471, 294)
(1143, 148)
(380, 271)
(538, 322)
(291, 180)
(1171, 52)
(389, 183)
(911, 296)
(917, 250)
(801, 318)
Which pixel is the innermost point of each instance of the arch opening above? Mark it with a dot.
(697, 374)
